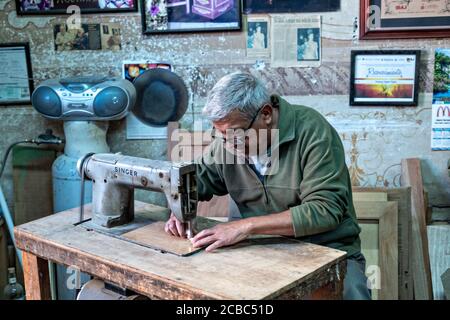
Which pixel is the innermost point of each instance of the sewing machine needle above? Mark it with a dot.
(189, 230)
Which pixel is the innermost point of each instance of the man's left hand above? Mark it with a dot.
(224, 234)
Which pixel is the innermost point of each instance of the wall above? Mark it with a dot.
(375, 139)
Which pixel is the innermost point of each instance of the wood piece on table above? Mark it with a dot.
(36, 277)
(412, 176)
(154, 236)
(386, 215)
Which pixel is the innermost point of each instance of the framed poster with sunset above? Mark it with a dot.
(384, 77)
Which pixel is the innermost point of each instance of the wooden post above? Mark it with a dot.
(36, 277)
(412, 176)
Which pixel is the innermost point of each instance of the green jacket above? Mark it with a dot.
(311, 180)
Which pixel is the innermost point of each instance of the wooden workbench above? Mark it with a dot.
(266, 268)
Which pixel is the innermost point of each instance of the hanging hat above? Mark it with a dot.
(162, 97)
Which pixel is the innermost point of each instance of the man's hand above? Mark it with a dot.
(224, 234)
(175, 227)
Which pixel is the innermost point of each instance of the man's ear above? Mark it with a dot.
(267, 113)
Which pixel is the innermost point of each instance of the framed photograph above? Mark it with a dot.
(133, 69)
(16, 78)
(397, 19)
(290, 6)
(52, 7)
(308, 44)
(258, 36)
(384, 78)
(90, 36)
(173, 16)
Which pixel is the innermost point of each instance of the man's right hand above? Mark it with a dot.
(175, 227)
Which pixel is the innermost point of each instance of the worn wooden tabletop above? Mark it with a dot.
(255, 269)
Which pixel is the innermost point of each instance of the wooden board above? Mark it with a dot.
(257, 269)
(439, 241)
(446, 283)
(412, 176)
(154, 236)
(403, 198)
(385, 214)
(370, 196)
(370, 249)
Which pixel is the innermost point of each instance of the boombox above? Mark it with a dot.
(84, 98)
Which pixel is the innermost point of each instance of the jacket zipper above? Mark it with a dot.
(266, 197)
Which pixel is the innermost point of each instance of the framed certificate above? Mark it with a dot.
(16, 79)
(390, 19)
(384, 77)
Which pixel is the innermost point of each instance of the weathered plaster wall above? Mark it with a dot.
(375, 138)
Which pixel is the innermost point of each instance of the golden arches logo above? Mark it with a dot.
(441, 111)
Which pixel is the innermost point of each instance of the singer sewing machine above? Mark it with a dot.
(114, 178)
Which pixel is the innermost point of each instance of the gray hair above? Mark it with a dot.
(237, 91)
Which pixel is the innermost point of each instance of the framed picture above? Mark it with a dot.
(391, 19)
(384, 77)
(173, 16)
(90, 36)
(258, 36)
(52, 7)
(16, 78)
(287, 6)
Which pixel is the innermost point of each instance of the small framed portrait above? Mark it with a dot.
(16, 78)
(52, 7)
(172, 16)
(384, 77)
(257, 29)
(308, 44)
(257, 35)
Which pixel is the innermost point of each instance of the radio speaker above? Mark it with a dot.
(47, 102)
(110, 102)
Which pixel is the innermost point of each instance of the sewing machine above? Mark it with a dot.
(115, 177)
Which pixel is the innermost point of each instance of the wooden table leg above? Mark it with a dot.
(36, 277)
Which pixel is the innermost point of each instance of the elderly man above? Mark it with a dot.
(299, 186)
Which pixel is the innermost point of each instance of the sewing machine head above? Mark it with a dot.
(114, 177)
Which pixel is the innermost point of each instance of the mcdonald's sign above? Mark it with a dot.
(443, 109)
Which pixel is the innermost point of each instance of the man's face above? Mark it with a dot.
(241, 134)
